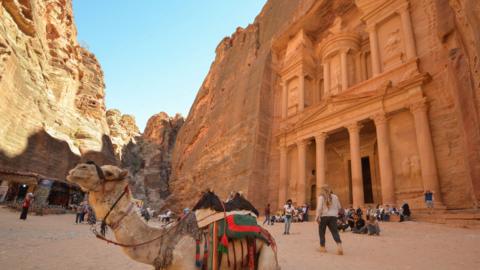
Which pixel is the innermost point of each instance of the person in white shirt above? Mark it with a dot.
(328, 207)
(289, 211)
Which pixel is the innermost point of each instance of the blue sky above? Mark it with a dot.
(155, 54)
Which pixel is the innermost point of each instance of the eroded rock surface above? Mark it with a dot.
(148, 158)
(52, 90)
(123, 129)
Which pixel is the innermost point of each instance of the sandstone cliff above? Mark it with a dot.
(148, 158)
(123, 129)
(225, 140)
(52, 90)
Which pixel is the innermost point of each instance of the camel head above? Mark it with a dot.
(104, 184)
(90, 177)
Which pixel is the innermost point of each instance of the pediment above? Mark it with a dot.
(335, 104)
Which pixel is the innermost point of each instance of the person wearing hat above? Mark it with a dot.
(328, 206)
(26, 204)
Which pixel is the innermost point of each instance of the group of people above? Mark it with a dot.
(330, 214)
(295, 214)
(84, 209)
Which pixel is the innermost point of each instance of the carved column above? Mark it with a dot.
(283, 185)
(385, 160)
(301, 91)
(344, 69)
(326, 77)
(301, 182)
(356, 164)
(358, 68)
(372, 33)
(320, 160)
(408, 32)
(425, 149)
(284, 100)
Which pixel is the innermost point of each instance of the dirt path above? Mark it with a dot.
(54, 242)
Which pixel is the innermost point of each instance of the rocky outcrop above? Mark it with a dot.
(123, 129)
(148, 158)
(52, 90)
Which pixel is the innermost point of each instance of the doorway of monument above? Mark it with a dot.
(367, 180)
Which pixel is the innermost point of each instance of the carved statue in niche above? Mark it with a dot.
(415, 170)
(411, 168)
(393, 42)
(392, 51)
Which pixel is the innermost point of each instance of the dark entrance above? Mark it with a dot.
(59, 194)
(22, 192)
(313, 197)
(367, 180)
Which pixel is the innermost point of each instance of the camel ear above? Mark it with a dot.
(123, 174)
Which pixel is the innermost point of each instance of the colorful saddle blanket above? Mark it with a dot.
(230, 228)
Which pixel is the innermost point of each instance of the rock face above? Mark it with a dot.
(52, 90)
(237, 126)
(225, 141)
(123, 129)
(148, 158)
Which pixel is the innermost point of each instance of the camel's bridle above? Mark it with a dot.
(101, 176)
(103, 227)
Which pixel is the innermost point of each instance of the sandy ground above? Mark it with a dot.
(54, 242)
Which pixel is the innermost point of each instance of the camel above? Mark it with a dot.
(175, 247)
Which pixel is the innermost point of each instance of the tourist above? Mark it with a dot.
(26, 204)
(84, 209)
(359, 224)
(386, 213)
(289, 211)
(428, 198)
(91, 218)
(305, 212)
(359, 211)
(372, 226)
(328, 207)
(342, 225)
(78, 211)
(405, 212)
(350, 219)
(267, 215)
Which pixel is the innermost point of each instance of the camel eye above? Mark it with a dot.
(109, 174)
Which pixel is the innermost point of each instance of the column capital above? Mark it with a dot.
(371, 28)
(354, 127)
(301, 143)
(403, 9)
(379, 119)
(321, 137)
(419, 106)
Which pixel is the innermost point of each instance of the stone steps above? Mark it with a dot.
(455, 218)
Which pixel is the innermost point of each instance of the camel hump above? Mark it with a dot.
(239, 202)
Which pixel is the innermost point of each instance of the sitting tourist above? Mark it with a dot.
(359, 225)
(372, 226)
(387, 212)
(405, 212)
(350, 220)
(341, 224)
